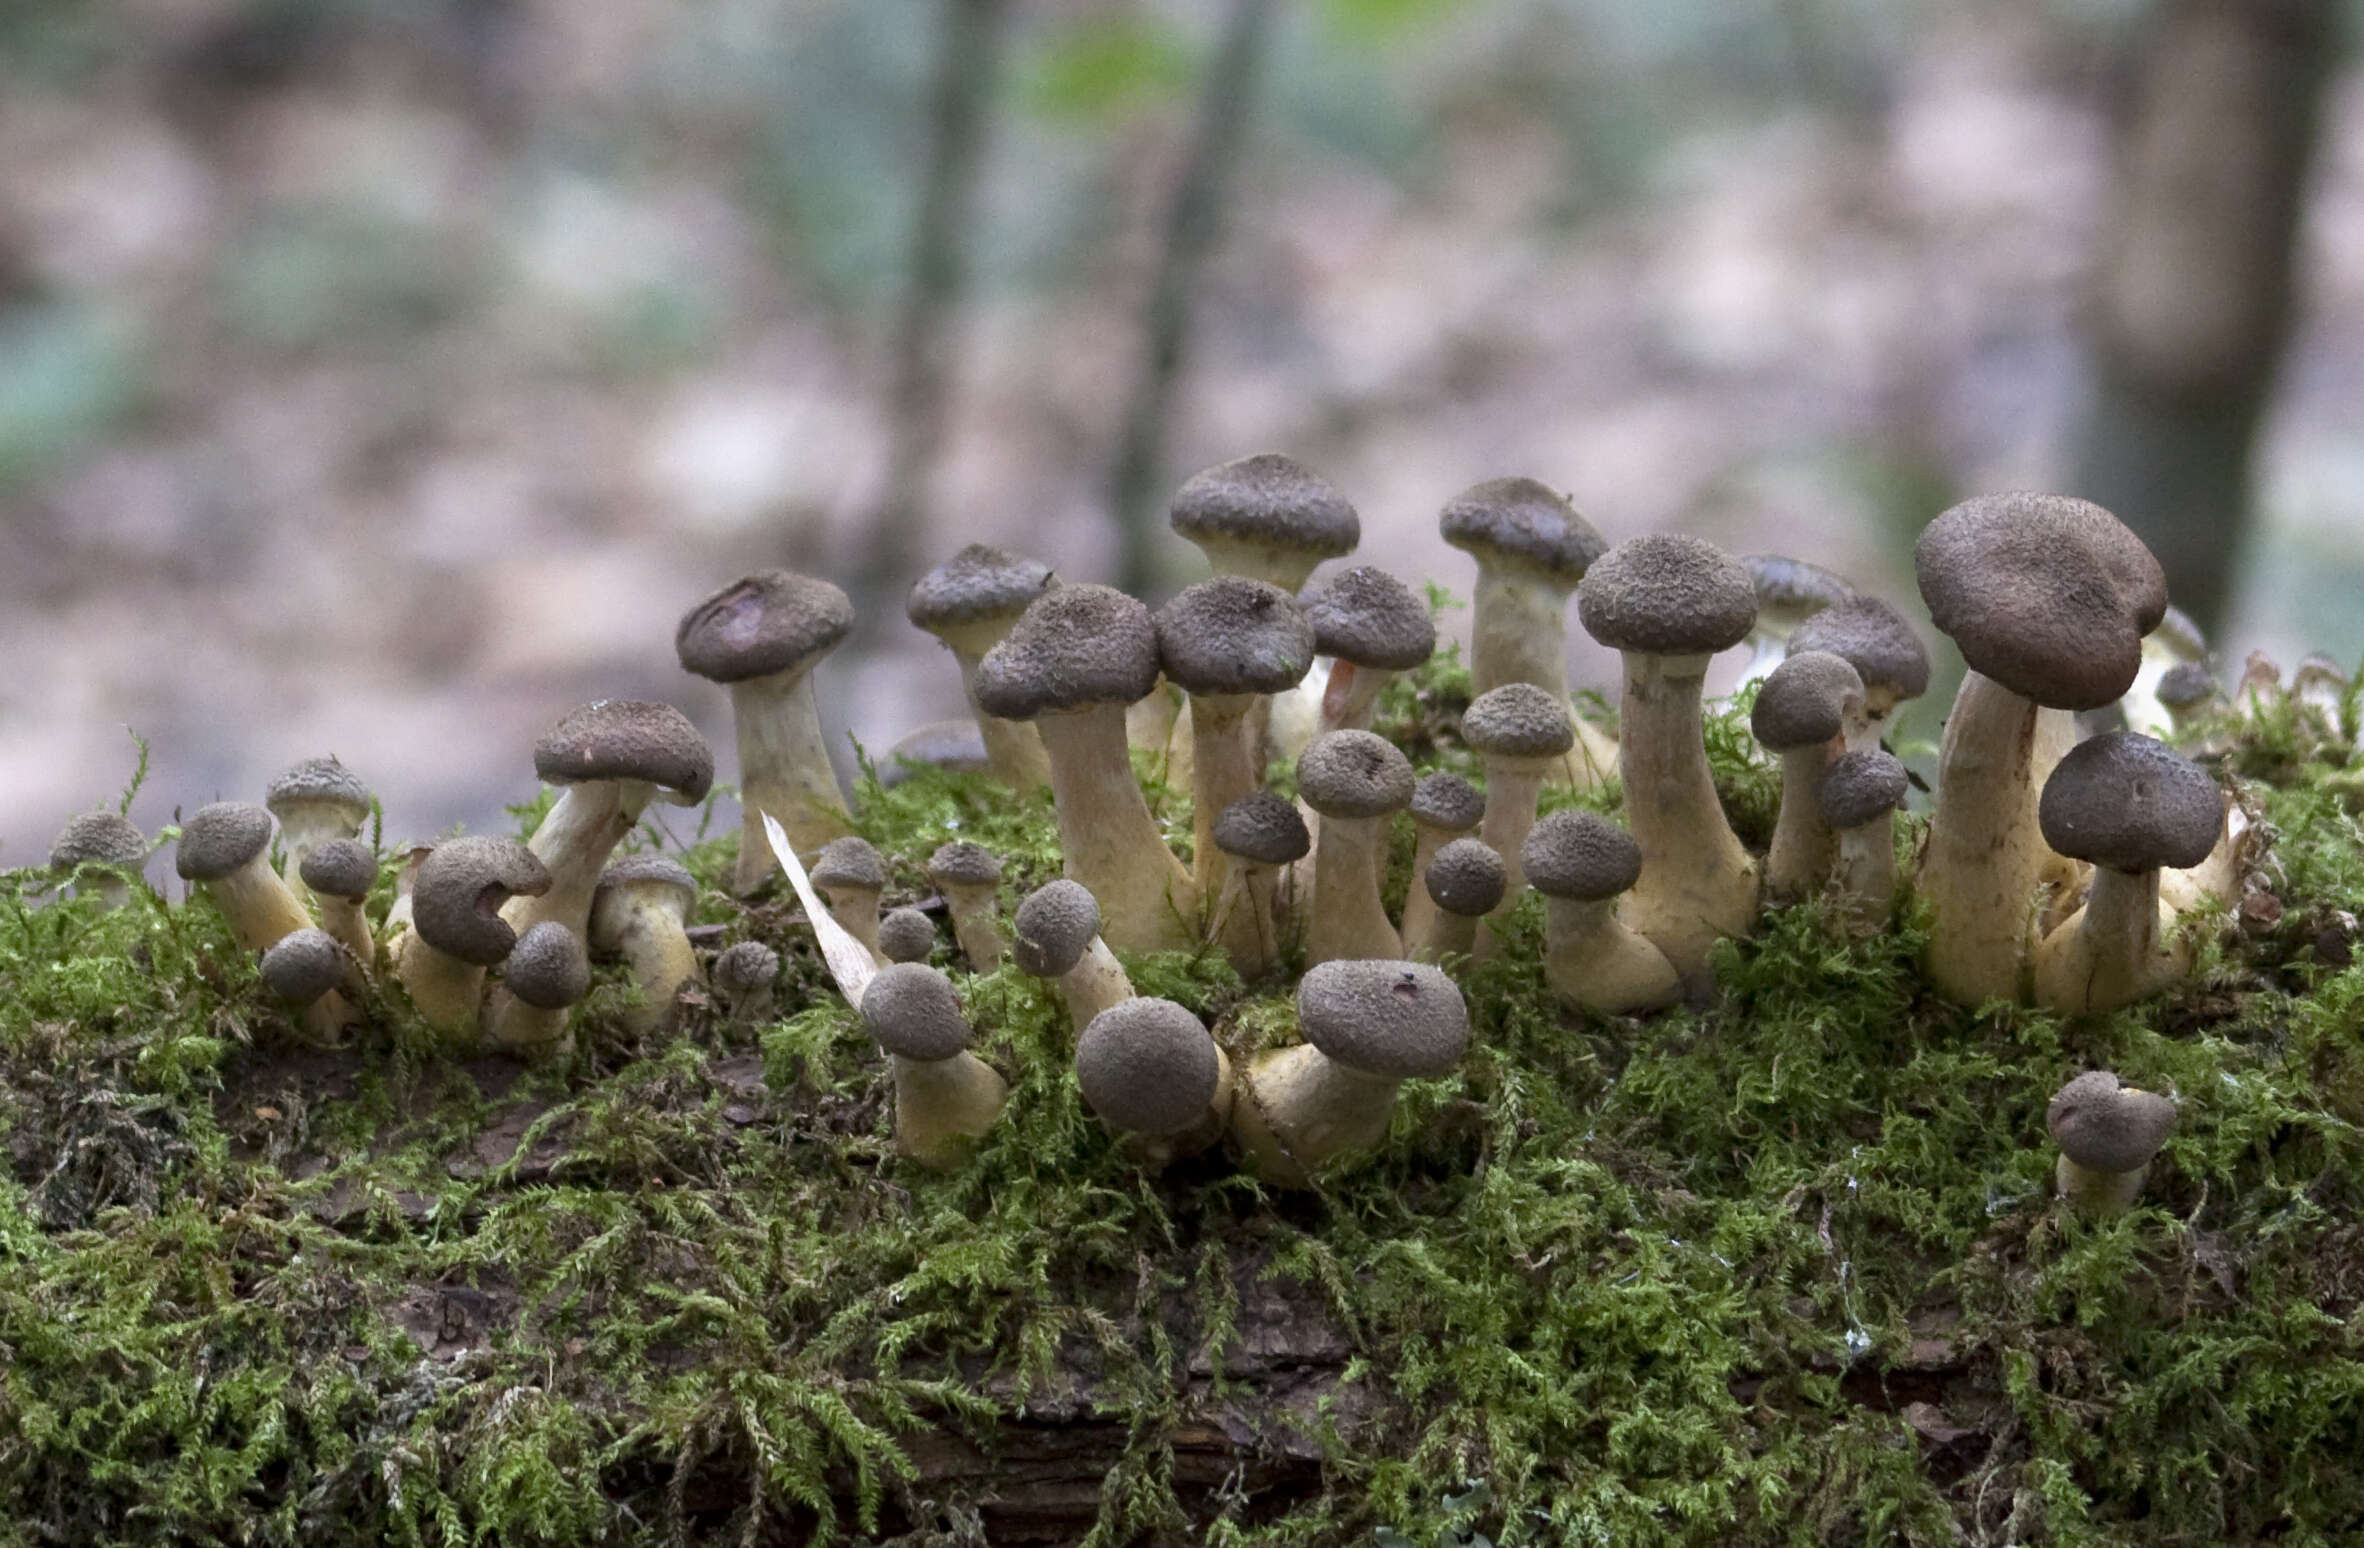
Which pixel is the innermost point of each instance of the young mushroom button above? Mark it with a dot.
(226, 849)
(1059, 937)
(340, 874)
(1789, 592)
(743, 977)
(945, 1097)
(111, 844)
(761, 636)
(1148, 1068)
(1356, 780)
(1519, 729)
(1444, 807)
(1801, 712)
(1859, 796)
(906, 935)
(1581, 863)
(1372, 627)
(306, 968)
(2108, 1135)
(1268, 517)
(317, 801)
(610, 758)
(853, 874)
(969, 602)
(641, 911)
(1465, 881)
(1260, 834)
(545, 976)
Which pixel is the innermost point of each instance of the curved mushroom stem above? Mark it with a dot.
(1244, 920)
(1863, 882)
(257, 904)
(573, 843)
(784, 770)
(1593, 961)
(1096, 982)
(1804, 848)
(1110, 842)
(1347, 918)
(343, 918)
(2096, 1192)
(1697, 884)
(1985, 856)
(1297, 1108)
(973, 924)
(1157, 1151)
(445, 990)
(2121, 947)
(944, 1106)
(1222, 770)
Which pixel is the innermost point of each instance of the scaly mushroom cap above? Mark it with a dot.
(914, 1013)
(1368, 617)
(1518, 720)
(1803, 701)
(1580, 855)
(648, 871)
(1234, 635)
(906, 935)
(1074, 646)
(303, 965)
(1859, 786)
(319, 779)
(1056, 924)
(219, 838)
(341, 868)
(1270, 500)
(1396, 1020)
(100, 838)
(1354, 774)
(849, 862)
(963, 864)
(1447, 801)
(2050, 596)
(633, 739)
(1466, 878)
(980, 582)
(1791, 590)
(548, 969)
(2105, 1127)
(1148, 1066)
(1519, 521)
(1262, 829)
(1873, 638)
(456, 901)
(745, 967)
(2132, 804)
(1667, 595)
(2186, 684)
(770, 622)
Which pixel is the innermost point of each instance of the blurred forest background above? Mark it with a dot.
(384, 377)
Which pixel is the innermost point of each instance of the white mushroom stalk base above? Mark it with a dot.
(1592, 961)
(2096, 1192)
(1986, 855)
(1110, 842)
(258, 905)
(2120, 948)
(944, 1106)
(1804, 848)
(446, 991)
(1096, 982)
(1223, 769)
(573, 844)
(1347, 919)
(1697, 884)
(784, 770)
(1245, 920)
(1442, 935)
(1297, 1109)
(1863, 882)
(1158, 1151)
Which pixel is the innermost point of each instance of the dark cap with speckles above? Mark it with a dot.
(219, 838)
(1519, 521)
(2130, 803)
(1580, 855)
(1074, 647)
(456, 901)
(1267, 499)
(1147, 1065)
(1234, 635)
(914, 1013)
(1667, 595)
(1397, 1020)
(761, 625)
(628, 739)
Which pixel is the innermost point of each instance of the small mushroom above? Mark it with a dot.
(1268, 517)
(2176, 642)
(1059, 937)
(545, 976)
(641, 911)
(1883, 648)
(1356, 780)
(457, 925)
(2130, 806)
(1370, 626)
(743, 977)
(906, 935)
(1444, 807)
(1859, 796)
(761, 636)
(226, 849)
(110, 845)
(1789, 592)
(853, 873)
(612, 758)
(1465, 881)
(2108, 1135)
(1150, 1071)
(339, 874)
(1260, 834)
(1582, 863)
(946, 1098)
(304, 968)
(969, 602)
(1369, 1027)
(317, 802)
(1801, 714)
(1520, 729)
(969, 876)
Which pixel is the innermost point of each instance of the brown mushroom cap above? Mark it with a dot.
(770, 622)
(1074, 646)
(1518, 720)
(747, 966)
(2185, 684)
(1873, 638)
(2050, 596)
(341, 868)
(648, 871)
(906, 935)
(100, 838)
(303, 965)
(1466, 878)
(1667, 595)
(849, 862)
(1267, 499)
(548, 969)
(1366, 616)
(219, 838)
(1262, 829)
(456, 900)
(1354, 774)
(978, 583)
(1519, 521)
(2105, 1127)
(1803, 701)
(322, 780)
(963, 864)
(627, 739)
(914, 1013)
(1147, 1065)
(2130, 803)
(1581, 856)
(1056, 924)
(1447, 801)
(1791, 589)
(1234, 635)
(1397, 1020)
(1859, 786)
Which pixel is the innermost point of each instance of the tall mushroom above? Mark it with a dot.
(641, 913)
(1800, 715)
(1444, 807)
(1073, 662)
(1371, 627)
(1268, 517)
(1520, 729)
(969, 875)
(226, 849)
(1859, 797)
(969, 602)
(852, 873)
(107, 842)
(946, 1098)
(1581, 863)
(1465, 881)
(761, 636)
(2049, 598)
(317, 802)
(457, 925)
(1668, 603)
(1356, 780)
(1150, 1071)
(1883, 648)
(544, 977)
(1259, 834)
(1059, 937)
(2108, 1135)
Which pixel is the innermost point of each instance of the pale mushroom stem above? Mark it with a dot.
(304, 828)
(1298, 1108)
(974, 926)
(1420, 910)
(1350, 696)
(1521, 636)
(2116, 951)
(2097, 1192)
(1513, 790)
(1697, 884)
(343, 918)
(258, 905)
(1592, 960)
(944, 1106)
(661, 961)
(445, 989)
(1986, 855)
(1096, 982)
(529, 1031)
(1110, 843)
(1804, 848)
(1244, 920)
(1222, 770)
(1443, 935)
(784, 770)
(582, 829)
(1013, 748)
(1347, 919)
(1864, 879)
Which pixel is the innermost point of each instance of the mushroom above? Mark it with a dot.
(339, 874)
(1229, 643)
(1369, 1027)
(906, 935)
(1149, 1070)
(1268, 517)
(1444, 807)
(951, 745)
(1356, 780)
(2130, 806)
(2108, 1135)
(641, 911)
(1581, 863)
(2187, 693)
(743, 978)
(1520, 729)
(1859, 796)
(1073, 662)
(969, 602)
(1371, 627)
(761, 636)
(1789, 591)
(853, 873)
(969, 875)
(317, 801)
(1800, 714)
(458, 926)
(1465, 881)
(2049, 598)
(111, 845)
(1059, 937)
(545, 976)
(304, 968)
(1532, 550)
(2176, 642)
(1668, 604)
(946, 1098)
(1260, 834)
(226, 849)
(1874, 639)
